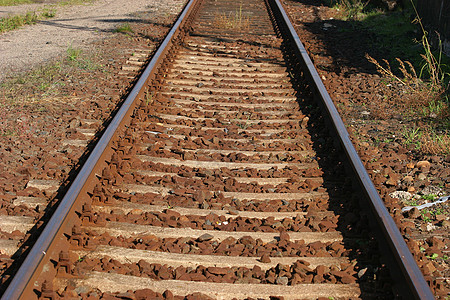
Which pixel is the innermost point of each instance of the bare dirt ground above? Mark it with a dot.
(74, 26)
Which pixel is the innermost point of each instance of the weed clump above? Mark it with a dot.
(124, 28)
(236, 21)
(351, 9)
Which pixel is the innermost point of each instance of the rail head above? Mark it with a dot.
(25, 275)
(413, 276)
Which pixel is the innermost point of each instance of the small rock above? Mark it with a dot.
(282, 280)
(74, 123)
(445, 224)
(204, 205)
(362, 272)
(183, 219)
(205, 237)
(125, 295)
(265, 259)
(432, 190)
(365, 144)
(408, 179)
(232, 211)
(347, 279)
(429, 267)
(423, 164)
(413, 213)
(401, 195)
(421, 177)
(430, 227)
(284, 236)
(277, 225)
(168, 294)
(136, 211)
(440, 218)
(411, 189)
(313, 184)
(81, 289)
(393, 179)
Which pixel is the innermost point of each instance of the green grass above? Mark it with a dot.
(78, 59)
(74, 2)
(351, 9)
(49, 80)
(429, 197)
(397, 35)
(412, 135)
(14, 2)
(124, 28)
(17, 21)
(393, 33)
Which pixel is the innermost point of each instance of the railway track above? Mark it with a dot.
(219, 177)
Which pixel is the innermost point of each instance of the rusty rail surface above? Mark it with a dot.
(35, 260)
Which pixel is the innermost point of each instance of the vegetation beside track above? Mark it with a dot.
(16, 21)
(416, 73)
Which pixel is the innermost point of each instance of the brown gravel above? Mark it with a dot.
(61, 101)
(33, 133)
(376, 127)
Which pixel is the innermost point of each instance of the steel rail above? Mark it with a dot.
(27, 272)
(406, 262)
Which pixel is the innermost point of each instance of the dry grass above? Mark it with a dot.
(417, 92)
(236, 20)
(14, 2)
(351, 9)
(425, 100)
(426, 140)
(434, 144)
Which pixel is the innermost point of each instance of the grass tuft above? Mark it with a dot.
(14, 2)
(74, 2)
(351, 9)
(236, 21)
(77, 59)
(124, 28)
(14, 22)
(432, 63)
(17, 21)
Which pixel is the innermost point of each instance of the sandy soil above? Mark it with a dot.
(74, 26)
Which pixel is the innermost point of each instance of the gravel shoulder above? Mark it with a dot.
(74, 26)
